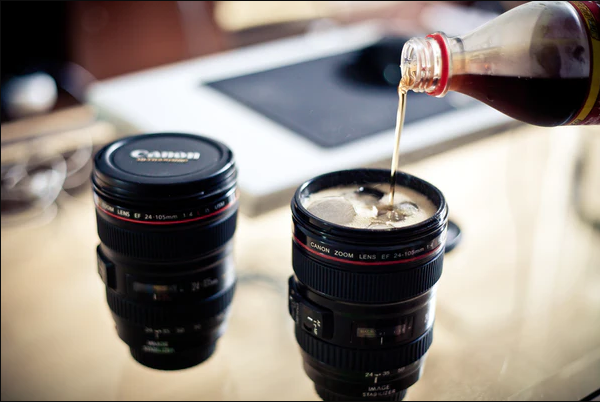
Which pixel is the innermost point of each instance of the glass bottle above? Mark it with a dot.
(538, 63)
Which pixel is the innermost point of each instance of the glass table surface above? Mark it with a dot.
(518, 308)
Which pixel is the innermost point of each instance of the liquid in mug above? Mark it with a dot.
(363, 207)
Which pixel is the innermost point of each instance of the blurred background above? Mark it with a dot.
(52, 37)
(55, 52)
(77, 75)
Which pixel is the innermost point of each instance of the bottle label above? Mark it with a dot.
(589, 11)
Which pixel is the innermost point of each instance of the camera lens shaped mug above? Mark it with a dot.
(166, 209)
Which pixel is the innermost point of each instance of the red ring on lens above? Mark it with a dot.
(328, 257)
(169, 222)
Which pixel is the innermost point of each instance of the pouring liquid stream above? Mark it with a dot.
(396, 155)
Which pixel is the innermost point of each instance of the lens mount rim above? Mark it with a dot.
(177, 361)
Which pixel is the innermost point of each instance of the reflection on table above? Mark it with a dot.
(518, 310)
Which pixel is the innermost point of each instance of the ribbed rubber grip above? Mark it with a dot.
(158, 243)
(364, 360)
(327, 395)
(362, 287)
(154, 316)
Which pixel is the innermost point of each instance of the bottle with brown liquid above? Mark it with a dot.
(538, 63)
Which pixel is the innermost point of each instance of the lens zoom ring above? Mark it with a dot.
(361, 359)
(166, 245)
(154, 316)
(370, 287)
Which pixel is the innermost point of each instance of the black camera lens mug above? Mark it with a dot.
(166, 209)
(363, 291)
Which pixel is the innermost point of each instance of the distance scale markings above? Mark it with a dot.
(166, 332)
(379, 390)
(158, 333)
(185, 287)
(172, 291)
(385, 389)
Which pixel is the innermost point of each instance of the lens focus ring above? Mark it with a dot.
(364, 360)
(366, 287)
(148, 315)
(166, 245)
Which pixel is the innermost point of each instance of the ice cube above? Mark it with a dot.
(407, 208)
(333, 209)
(395, 216)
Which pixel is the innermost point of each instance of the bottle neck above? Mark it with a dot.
(427, 63)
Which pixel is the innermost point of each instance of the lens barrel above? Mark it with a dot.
(166, 211)
(363, 300)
